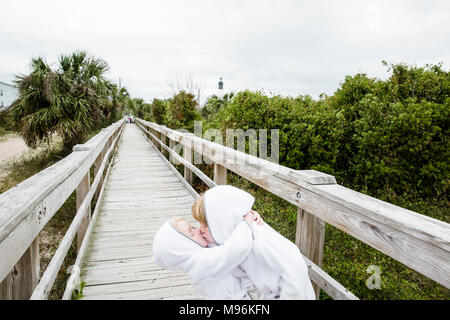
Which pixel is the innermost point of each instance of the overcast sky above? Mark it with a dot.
(283, 47)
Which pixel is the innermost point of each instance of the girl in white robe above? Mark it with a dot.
(210, 269)
(274, 265)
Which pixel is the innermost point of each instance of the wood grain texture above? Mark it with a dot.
(118, 261)
(82, 190)
(27, 207)
(21, 281)
(310, 238)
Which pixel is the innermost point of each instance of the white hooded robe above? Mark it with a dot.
(210, 269)
(275, 265)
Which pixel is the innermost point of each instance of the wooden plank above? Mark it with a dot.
(187, 164)
(82, 190)
(118, 259)
(187, 154)
(134, 286)
(26, 208)
(333, 288)
(310, 238)
(24, 277)
(120, 276)
(43, 288)
(153, 293)
(220, 174)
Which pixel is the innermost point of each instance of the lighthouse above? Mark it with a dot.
(220, 84)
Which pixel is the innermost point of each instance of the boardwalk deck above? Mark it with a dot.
(140, 194)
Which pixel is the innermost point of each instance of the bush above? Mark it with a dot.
(372, 135)
(158, 111)
(182, 111)
(214, 104)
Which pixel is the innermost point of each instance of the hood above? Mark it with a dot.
(224, 208)
(171, 249)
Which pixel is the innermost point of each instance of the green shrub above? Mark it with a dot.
(182, 111)
(372, 135)
(158, 111)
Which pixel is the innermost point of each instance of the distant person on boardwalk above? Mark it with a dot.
(274, 265)
(178, 246)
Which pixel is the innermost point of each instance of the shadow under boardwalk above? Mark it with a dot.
(141, 193)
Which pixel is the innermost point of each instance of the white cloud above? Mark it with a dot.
(287, 47)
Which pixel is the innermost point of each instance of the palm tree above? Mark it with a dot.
(33, 112)
(71, 101)
(119, 98)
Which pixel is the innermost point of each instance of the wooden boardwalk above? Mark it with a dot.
(141, 190)
(140, 194)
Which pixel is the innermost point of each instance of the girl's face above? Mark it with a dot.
(206, 233)
(195, 234)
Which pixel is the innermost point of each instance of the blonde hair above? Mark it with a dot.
(198, 211)
(176, 221)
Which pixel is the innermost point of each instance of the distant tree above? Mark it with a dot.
(158, 111)
(119, 97)
(182, 111)
(214, 104)
(186, 84)
(138, 107)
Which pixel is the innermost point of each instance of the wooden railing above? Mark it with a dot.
(420, 242)
(26, 208)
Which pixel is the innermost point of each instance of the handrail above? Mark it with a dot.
(197, 171)
(73, 280)
(420, 242)
(325, 281)
(26, 208)
(43, 288)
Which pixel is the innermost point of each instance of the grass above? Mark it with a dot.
(4, 133)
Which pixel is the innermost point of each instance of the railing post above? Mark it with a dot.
(220, 174)
(97, 165)
(24, 277)
(310, 238)
(172, 145)
(82, 190)
(187, 154)
(164, 140)
(158, 135)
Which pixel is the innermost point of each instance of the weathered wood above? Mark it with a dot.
(82, 190)
(117, 250)
(27, 207)
(220, 174)
(43, 288)
(187, 154)
(172, 145)
(187, 164)
(73, 279)
(21, 281)
(333, 288)
(97, 164)
(164, 141)
(310, 238)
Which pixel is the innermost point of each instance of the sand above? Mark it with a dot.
(11, 145)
